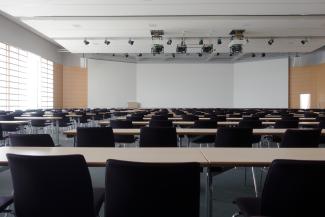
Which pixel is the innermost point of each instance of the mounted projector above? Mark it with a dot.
(207, 48)
(157, 49)
(237, 41)
(181, 48)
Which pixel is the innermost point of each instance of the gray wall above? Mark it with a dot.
(13, 34)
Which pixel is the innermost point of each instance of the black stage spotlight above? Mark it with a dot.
(263, 54)
(169, 42)
(218, 54)
(126, 55)
(200, 54)
(86, 42)
(271, 41)
(131, 42)
(107, 42)
(113, 54)
(173, 55)
(253, 55)
(304, 41)
(140, 55)
(201, 42)
(219, 41)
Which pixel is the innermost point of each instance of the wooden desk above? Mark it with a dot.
(56, 119)
(99, 156)
(190, 131)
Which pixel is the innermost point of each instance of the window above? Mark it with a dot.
(26, 80)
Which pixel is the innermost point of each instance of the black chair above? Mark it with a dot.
(158, 137)
(53, 186)
(209, 124)
(252, 123)
(158, 123)
(95, 137)
(301, 138)
(190, 117)
(2, 137)
(31, 140)
(159, 117)
(152, 189)
(234, 137)
(289, 118)
(284, 124)
(5, 202)
(292, 188)
(122, 124)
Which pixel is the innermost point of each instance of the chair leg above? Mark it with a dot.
(255, 183)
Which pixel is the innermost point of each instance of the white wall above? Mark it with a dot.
(185, 85)
(15, 35)
(110, 84)
(261, 84)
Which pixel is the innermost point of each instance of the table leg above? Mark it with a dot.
(57, 133)
(208, 193)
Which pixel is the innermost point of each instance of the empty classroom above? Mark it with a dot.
(147, 108)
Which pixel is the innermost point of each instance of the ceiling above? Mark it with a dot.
(70, 22)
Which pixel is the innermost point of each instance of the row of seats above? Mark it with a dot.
(167, 137)
(42, 188)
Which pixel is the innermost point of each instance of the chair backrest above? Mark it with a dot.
(294, 188)
(206, 124)
(250, 118)
(152, 189)
(301, 138)
(51, 186)
(31, 140)
(95, 137)
(321, 124)
(158, 137)
(286, 124)
(159, 117)
(289, 118)
(121, 124)
(158, 123)
(253, 124)
(234, 137)
(190, 117)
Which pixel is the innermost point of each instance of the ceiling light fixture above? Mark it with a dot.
(131, 42)
(107, 42)
(304, 41)
(271, 41)
(86, 42)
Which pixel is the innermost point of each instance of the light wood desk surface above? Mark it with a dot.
(259, 156)
(38, 118)
(99, 156)
(190, 131)
(14, 122)
(204, 156)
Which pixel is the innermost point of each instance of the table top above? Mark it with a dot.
(38, 118)
(191, 131)
(14, 122)
(259, 156)
(204, 156)
(99, 156)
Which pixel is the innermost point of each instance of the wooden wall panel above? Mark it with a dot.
(307, 79)
(58, 86)
(75, 87)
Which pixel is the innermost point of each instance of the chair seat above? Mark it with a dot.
(249, 206)
(5, 201)
(99, 195)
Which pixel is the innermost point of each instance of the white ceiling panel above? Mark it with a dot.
(32, 8)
